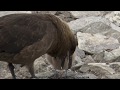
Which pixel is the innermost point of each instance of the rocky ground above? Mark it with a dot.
(97, 54)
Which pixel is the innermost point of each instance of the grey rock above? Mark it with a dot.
(3, 13)
(114, 76)
(116, 59)
(118, 63)
(99, 57)
(104, 13)
(65, 15)
(114, 17)
(88, 59)
(80, 53)
(40, 65)
(45, 75)
(84, 68)
(89, 76)
(3, 70)
(98, 69)
(112, 55)
(96, 43)
(77, 63)
(77, 60)
(79, 24)
(102, 67)
(102, 28)
(45, 12)
(95, 25)
(77, 66)
(115, 66)
(81, 14)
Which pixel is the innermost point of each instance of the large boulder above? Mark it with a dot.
(95, 25)
(81, 14)
(102, 28)
(79, 24)
(96, 43)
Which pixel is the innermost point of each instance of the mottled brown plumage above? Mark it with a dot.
(25, 37)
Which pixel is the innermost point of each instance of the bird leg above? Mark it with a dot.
(66, 73)
(11, 68)
(31, 70)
